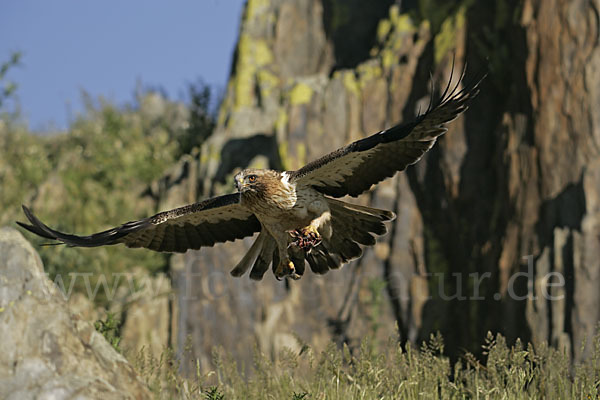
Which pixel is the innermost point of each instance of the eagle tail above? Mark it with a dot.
(266, 256)
(260, 255)
(250, 256)
(352, 225)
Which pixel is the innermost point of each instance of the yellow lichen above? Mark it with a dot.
(445, 40)
(387, 58)
(225, 105)
(262, 53)
(254, 7)
(369, 71)
(265, 76)
(210, 154)
(383, 29)
(396, 23)
(214, 155)
(283, 156)
(404, 23)
(252, 54)
(222, 116)
(282, 120)
(266, 81)
(350, 83)
(394, 13)
(300, 94)
(204, 158)
(244, 78)
(301, 154)
(1, 309)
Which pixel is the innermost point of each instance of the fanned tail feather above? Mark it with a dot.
(265, 258)
(261, 254)
(352, 225)
(251, 255)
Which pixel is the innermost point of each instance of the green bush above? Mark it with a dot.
(109, 327)
(93, 178)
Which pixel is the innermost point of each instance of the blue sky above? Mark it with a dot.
(106, 47)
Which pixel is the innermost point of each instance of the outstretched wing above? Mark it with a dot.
(353, 169)
(190, 227)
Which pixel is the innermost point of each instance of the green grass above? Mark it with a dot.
(109, 327)
(507, 372)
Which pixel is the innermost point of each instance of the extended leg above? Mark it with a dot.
(286, 267)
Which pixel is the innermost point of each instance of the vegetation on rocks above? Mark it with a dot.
(95, 176)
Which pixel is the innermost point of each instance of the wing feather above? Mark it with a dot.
(203, 224)
(353, 169)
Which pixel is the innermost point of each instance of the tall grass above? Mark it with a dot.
(507, 372)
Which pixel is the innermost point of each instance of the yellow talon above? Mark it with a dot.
(310, 229)
(286, 269)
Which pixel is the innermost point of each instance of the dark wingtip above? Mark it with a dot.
(470, 88)
(25, 226)
(473, 85)
(36, 227)
(27, 211)
(32, 218)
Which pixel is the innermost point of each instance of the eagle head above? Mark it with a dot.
(255, 180)
(264, 189)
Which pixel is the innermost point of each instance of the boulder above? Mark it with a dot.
(46, 352)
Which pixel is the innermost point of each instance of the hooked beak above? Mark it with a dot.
(238, 183)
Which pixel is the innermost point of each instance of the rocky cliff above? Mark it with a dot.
(46, 351)
(507, 196)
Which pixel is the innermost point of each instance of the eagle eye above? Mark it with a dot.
(252, 178)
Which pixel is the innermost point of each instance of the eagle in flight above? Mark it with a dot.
(296, 213)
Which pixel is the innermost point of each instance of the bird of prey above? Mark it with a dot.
(297, 213)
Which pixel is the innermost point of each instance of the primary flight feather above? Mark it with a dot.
(295, 212)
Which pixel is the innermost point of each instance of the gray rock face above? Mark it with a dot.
(512, 187)
(46, 352)
(281, 113)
